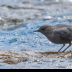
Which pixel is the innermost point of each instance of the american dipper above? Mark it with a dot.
(58, 34)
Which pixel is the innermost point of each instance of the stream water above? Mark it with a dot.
(20, 47)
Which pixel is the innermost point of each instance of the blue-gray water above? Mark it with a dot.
(18, 20)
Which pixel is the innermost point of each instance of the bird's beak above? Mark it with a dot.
(36, 31)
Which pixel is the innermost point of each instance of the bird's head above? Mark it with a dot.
(44, 29)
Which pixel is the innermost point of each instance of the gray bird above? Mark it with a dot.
(58, 34)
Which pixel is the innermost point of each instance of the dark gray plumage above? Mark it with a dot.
(58, 34)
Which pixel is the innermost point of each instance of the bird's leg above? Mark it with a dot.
(67, 47)
(61, 47)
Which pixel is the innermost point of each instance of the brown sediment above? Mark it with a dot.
(48, 53)
(14, 58)
(11, 54)
(67, 54)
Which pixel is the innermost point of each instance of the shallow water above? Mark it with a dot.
(20, 47)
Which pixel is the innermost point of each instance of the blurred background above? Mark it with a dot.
(20, 47)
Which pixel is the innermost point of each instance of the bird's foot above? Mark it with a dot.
(63, 51)
(60, 52)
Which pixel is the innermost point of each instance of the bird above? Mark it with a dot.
(58, 34)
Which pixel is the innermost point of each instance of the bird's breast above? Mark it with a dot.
(56, 39)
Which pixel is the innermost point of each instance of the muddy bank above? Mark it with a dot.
(14, 58)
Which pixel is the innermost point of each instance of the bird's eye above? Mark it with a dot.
(43, 28)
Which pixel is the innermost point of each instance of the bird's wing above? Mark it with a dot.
(64, 34)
